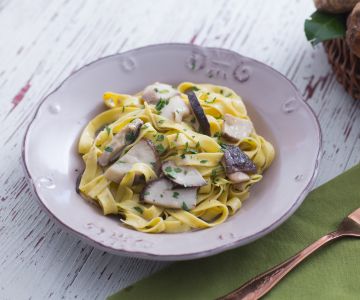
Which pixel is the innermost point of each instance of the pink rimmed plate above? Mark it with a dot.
(277, 109)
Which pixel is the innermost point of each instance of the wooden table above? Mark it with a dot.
(43, 42)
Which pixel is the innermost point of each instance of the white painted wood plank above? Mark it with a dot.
(47, 40)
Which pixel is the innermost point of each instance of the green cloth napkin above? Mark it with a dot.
(331, 273)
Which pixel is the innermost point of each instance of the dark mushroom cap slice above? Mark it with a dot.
(163, 192)
(234, 160)
(199, 113)
(185, 176)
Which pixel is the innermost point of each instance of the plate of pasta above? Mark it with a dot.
(172, 151)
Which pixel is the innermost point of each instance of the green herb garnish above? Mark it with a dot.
(193, 88)
(160, 148)
(163, 91)
(184, 206)
(161, 104)
(161, 121)
(210, 101)
(160, 138)
(178, 170)
(108, 149)
(203, 161)
(175, 195)
(138, 209)
(130, 137)
(147, 193)
(108, 129)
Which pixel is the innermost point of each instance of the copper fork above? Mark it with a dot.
(263, 283)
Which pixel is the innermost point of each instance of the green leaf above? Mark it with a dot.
(184, 206)
(138, 209)
(322, 26)
(108, 149)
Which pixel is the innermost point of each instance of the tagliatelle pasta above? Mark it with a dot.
(119, 174)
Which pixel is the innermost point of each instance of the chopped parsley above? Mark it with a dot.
(177, 136)
(186, 146)
(160, 148)
(153, 164)
(156, 90)
(217, 134)
(229, 95)
(145, 126)
(163, 91)
(121, 162)
(213, 175)
(221, 91)
(198, 144)
(138, 209)
(108, 149)
(130, 137)
(147, 193)
(176, 195)
(161, 195)
(178, 170)
(160, 138)
(168, 169)
(192, 151)
(203, 161)
(184, 206)
(193, 88)
(210, 101)
(161, 121)
(108, 129)
(182, 156)
(161, 104)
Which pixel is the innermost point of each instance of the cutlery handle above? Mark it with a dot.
(263, 283)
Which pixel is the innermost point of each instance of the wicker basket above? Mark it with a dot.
(345, 65)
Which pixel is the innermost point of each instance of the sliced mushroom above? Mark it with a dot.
(154, 92)
(142, 152)
(238, 177)
(199, 113)
(162, 192)
(185, 176)
(175, 109)
(234, 160)
(124, 137)
(235, 129)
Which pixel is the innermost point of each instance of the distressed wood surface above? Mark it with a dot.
(42, 42)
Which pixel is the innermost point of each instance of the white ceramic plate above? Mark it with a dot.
(275, 106)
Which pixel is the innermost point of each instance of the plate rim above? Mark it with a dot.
(192, 255)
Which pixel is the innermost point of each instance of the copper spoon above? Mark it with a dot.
(263, 283)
